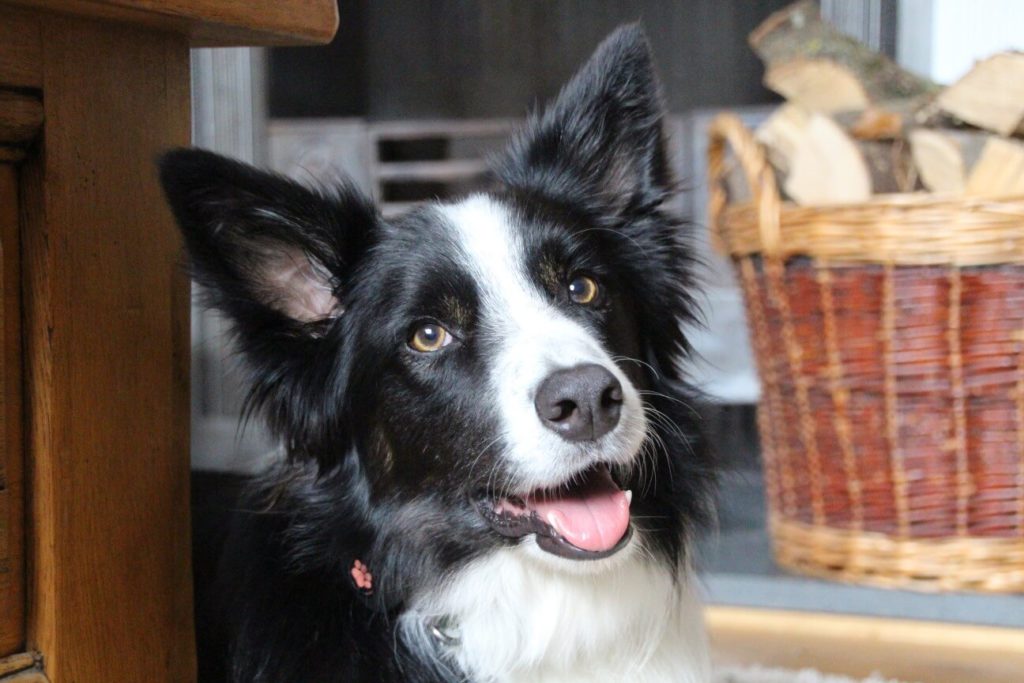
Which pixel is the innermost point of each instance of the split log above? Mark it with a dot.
(826, 167)
(819, 163)
(968, 161)
(999, 171)
(810, 63)
(891, 121)
(944, 158)
(990, 95)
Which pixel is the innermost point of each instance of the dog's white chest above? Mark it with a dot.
(519, 621)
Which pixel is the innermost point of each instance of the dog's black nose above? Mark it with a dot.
(581, 403)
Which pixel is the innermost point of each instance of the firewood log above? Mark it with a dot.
(826, 166)
(812, 64)
(819, 163)
(999, 170)
(944, 157)
(990, 95)
(967, 161)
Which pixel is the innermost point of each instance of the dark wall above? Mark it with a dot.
(451, 58)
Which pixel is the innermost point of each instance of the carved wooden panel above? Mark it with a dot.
(21, 116)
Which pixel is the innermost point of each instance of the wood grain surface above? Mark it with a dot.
(20, 49)
(215, 22)
(107, 344)
(12, 536)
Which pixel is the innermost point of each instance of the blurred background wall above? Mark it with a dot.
(493, 58)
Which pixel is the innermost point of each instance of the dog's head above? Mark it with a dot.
(482, 364)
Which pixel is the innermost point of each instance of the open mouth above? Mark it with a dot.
(586, 519)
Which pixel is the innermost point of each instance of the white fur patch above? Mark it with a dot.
(535, 338)
(521, 615)
(513, 619)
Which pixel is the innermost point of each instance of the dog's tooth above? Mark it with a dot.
(629, 497)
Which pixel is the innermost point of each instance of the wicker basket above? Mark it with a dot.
(890, 343)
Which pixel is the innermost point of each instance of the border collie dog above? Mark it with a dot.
(491, 469)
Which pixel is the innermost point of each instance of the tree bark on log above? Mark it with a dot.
(810, 63)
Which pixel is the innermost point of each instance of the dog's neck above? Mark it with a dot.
(509, 619)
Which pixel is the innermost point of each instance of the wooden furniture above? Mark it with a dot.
(94, 337)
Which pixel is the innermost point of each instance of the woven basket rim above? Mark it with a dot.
(917, 228)
(994, 565)
(919, 199)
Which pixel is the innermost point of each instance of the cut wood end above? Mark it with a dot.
(990, 95)
(999, 170)
(827, 167)
(939, 161)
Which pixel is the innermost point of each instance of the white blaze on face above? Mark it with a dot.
(532, 338)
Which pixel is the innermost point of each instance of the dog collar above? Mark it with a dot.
(444, 633)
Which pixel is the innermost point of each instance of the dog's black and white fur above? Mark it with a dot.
(401, 361)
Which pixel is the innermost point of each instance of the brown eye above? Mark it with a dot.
(583, 290)
(429, 337)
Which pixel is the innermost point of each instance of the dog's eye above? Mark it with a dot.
(429, 337)
(583, 290)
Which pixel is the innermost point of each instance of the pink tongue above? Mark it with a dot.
(593, 516)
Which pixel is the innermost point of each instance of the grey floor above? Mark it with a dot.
(737, 569)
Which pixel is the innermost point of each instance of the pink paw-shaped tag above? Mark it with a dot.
(362, 577)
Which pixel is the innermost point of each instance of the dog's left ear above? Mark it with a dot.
(603, 133)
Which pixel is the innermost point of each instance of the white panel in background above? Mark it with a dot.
(941, 39)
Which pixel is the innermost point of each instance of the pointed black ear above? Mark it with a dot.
(266, 249)
(603, 133)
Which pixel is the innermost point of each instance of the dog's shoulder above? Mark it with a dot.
(274, 618)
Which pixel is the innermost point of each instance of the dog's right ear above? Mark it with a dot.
(277, 258)
(271, 254)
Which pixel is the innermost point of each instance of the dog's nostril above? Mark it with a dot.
(581, 403)
(612, 395)
(554, 410)
(563, 410)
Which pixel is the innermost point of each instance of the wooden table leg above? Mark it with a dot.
(106, 308)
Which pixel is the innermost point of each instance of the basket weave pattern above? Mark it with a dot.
(890, 342)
